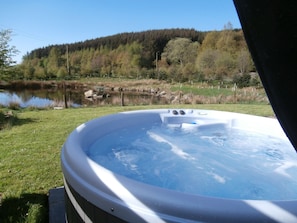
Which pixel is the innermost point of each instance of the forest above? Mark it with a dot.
(179, 55)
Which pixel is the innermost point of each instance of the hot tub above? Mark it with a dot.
(180, 165)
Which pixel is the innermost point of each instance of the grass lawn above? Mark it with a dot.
(30, 154)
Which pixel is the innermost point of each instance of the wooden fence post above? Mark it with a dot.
(122, 99)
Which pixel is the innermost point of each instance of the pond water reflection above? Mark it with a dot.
(7, 98)
(52, 98)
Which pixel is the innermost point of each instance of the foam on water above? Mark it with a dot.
(211, 160)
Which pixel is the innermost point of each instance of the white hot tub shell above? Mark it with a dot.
(96, 194)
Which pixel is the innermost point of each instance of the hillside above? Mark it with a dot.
(169, 54)
(153, 40)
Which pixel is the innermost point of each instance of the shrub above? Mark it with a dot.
(7, 118)
(242, 80)
(14, 105)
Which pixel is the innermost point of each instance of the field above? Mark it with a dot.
(30, 153)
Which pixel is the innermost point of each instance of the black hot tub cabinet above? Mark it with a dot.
(96, 194)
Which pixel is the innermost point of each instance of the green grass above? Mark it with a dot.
(30, 154)
(210, 90)
(205, 91)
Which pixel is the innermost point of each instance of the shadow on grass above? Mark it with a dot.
(9, 119)
(22, 121)
(26, 208)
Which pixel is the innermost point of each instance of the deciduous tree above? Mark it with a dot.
(182, 52)
(244, 61)
(7, 52)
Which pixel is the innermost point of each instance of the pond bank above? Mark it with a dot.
(145, 86)
(58, 93)
(137, 92)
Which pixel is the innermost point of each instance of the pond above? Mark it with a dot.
(75, 98)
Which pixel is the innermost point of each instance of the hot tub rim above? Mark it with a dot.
(198, 203)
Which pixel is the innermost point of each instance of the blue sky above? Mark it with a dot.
(39, 23)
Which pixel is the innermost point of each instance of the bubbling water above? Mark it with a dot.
(214, 160)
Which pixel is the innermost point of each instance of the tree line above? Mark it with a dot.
(170, 54)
